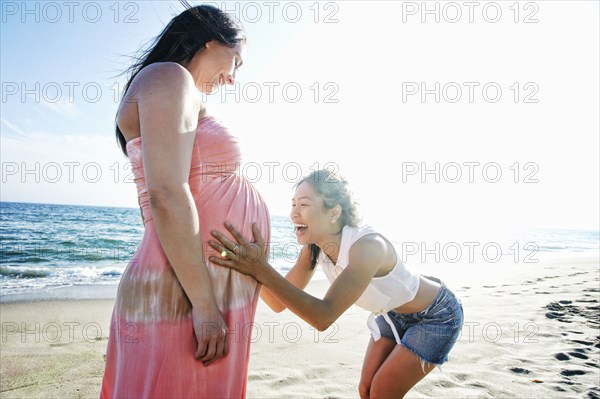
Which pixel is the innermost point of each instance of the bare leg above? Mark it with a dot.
(400, 371)
(377, 352)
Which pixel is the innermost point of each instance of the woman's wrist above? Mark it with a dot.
(203, 298)
(264, 272)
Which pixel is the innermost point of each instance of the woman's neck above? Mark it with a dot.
(330, 244)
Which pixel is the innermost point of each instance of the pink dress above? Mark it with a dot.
(152, 343)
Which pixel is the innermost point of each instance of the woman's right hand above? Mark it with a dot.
(211, 332)
(243, 256)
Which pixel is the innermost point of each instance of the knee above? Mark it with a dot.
(382, 391)
(363, 389)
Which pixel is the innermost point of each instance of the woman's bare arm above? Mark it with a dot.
(168, 107)
(299, 276)
(367, 256)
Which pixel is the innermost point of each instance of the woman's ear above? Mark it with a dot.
(336, 212)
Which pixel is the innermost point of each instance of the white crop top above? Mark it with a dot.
(383, 293)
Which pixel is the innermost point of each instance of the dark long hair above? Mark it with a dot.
(334, 190)
(179, 41)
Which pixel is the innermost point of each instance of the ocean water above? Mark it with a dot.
(51, 246)
(44, 246)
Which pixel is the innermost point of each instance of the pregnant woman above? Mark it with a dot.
(175, 312)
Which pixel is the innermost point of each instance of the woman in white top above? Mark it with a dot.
(419, 318)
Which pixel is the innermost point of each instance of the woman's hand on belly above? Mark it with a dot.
(242, 256)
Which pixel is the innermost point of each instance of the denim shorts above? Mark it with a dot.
(431, 333)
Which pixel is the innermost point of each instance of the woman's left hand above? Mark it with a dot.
(245, 257)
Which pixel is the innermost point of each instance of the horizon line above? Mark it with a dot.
(594, 229)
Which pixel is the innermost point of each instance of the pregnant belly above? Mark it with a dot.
(236, 202)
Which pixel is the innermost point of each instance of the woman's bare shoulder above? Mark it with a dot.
(169, 77)
(373, 246)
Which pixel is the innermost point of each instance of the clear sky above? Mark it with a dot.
(499, 99)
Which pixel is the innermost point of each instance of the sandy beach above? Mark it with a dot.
(534, 333)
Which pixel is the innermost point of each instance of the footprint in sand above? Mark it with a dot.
(447, 384)
(558, 312)
(478, 385)
(558, 316)
(579, 355)
(554, 315)
(582, 350)
(520, 370)
(569, 373)
(564, 310)
(586, 343)
(574, 332)
(569, 382)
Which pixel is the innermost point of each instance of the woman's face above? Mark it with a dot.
(312, 222)
(219, 64)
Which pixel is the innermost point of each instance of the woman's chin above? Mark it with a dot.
(301, 239)
(304, 239)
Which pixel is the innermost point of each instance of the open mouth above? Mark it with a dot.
(300, 228)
